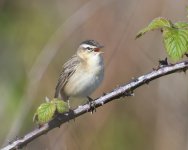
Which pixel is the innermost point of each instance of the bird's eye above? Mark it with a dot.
(88, 48)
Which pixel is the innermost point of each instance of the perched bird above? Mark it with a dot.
(82, 73)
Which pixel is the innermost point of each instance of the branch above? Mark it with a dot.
(125, 90)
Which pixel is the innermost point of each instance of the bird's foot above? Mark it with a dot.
(91, 104)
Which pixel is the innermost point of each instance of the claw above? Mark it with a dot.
(91, 105)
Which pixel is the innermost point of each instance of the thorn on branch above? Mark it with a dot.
(184, 70)
(39, 126)
(186, 62)
(129, 93)
(102, 103)
(103, 94)
(134, 79)
(15, 139)
(10, 141)
(146, 81)
(163, 62)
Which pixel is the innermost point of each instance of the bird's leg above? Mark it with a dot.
(70, 110)
(68, 102)
(91, 104)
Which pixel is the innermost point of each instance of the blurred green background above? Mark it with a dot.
(37, 37)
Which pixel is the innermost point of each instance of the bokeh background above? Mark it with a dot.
(38, 36)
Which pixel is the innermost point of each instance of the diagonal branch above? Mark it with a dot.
(125, 90)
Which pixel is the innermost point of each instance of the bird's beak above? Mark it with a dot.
(98, 49)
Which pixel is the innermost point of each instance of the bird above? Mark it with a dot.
(82, 73)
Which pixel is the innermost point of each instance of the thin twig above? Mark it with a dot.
(125, 90)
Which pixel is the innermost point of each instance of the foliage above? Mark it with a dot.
(46, 111)
(175, 36)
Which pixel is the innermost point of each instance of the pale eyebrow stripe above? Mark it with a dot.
(86, 45)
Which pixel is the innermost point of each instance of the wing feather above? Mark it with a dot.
(68, 69)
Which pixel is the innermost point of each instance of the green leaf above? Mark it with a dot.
(175, 36)
(45, 112)
(61, 106)
(176, 42)
(157, 23)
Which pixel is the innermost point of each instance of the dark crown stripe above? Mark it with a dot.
(91, 42)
